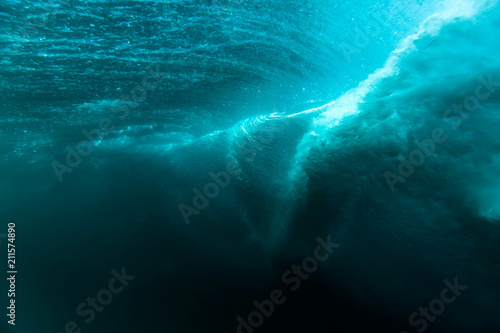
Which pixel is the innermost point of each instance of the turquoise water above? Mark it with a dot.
(205, 145)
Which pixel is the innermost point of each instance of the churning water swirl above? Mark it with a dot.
(207, 146)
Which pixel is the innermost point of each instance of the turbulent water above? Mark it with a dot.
(206, 145)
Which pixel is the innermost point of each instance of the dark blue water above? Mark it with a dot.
(206, 145)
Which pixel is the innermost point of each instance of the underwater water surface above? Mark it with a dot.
(250, 166)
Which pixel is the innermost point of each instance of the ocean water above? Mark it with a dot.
(203, 147)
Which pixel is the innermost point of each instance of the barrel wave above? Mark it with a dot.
(207, 145)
